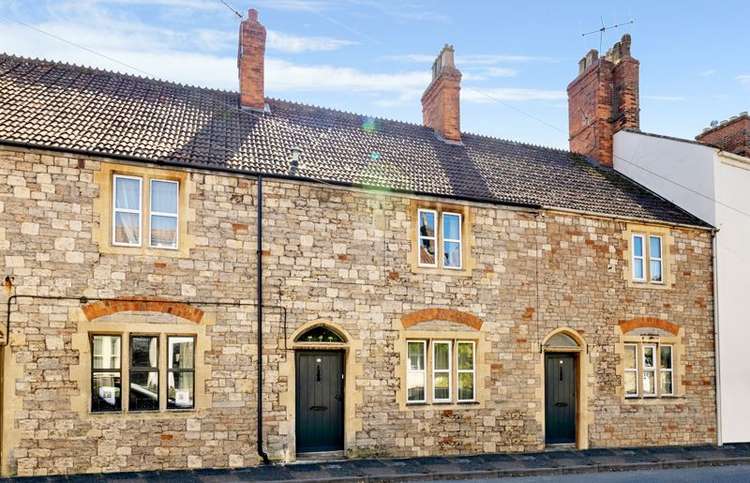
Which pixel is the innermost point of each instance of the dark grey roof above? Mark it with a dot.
(61, 106)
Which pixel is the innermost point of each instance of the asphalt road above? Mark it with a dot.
(722, 474)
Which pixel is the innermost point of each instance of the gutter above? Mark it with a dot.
(717, 358)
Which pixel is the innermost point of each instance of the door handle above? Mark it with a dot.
(561, 404)
(318, 408)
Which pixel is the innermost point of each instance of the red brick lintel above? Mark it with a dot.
(450, 315)
(102, 308)
(640, 322)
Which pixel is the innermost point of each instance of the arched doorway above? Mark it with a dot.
(319, 387)
(563, 381)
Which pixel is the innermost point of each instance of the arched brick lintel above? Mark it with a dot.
(641, 322)
(450, 315)
(103, 308)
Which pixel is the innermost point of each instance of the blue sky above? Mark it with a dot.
(374, 57)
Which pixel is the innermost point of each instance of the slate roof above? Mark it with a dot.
(62, 106)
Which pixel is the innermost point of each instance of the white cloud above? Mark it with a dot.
(707, 73)
(665, 98)
(744, 79)
(296, 44)
(515, 94)
(469, 59)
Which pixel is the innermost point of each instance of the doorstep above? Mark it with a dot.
(494, 465)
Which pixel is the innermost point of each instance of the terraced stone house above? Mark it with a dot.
(197, 278)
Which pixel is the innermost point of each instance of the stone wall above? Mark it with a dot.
(341, 256)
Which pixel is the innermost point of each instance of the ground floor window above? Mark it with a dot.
(451, 365)
(649, 369)
(144, 370)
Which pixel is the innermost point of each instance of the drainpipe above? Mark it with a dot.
(717, 358)
(259, 286)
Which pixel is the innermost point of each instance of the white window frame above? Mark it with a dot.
(116, 210)
(652, 258)
(423, 372)
(638, 381)
(459, 241)
(670, 370)
(473, 371)
(642, 257)
(152, 213)
(651, 369)
(434, 238)
(449, 370)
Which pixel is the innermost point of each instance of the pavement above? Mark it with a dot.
(490, 467)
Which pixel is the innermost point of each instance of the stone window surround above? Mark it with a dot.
(467, 220)
(667, 242)
(104, 207)
(429, 344)
(663, 333)
(465, 327)
(125, 324)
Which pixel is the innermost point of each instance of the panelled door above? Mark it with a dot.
(560, 398)
(320, 401)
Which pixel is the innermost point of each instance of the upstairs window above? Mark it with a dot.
(647, 259)
(129, 215)
(439, 238)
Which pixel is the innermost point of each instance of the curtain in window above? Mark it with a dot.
(127, 210)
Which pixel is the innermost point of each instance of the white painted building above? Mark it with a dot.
(715, 186)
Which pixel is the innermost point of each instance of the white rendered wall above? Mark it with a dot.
(716, 188)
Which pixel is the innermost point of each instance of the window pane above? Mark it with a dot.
(144, 391)
(466, 386)
(655, 247)
(181, 352)
(451, 227)
(143, 350)
(666, 382)
(648, 357)
(655, 270)
(105, 391)
(648, 382)
(127, 228)
(638, 246)
(427, 224)
(415, 386)
(163, 231)
(638, 268)
(442, 356)
(180, 390)
(630, 383)
(127, 193)
(164, 197)
(441, 386)
(106, 352)
(416, 356)
(452, 254)
(666, 357)
(465, 356)
(630, 357)
(427, 251)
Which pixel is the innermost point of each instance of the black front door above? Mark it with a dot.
(320, 401)
(560, 398)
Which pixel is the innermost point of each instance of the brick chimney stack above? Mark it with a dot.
(441, 99)
(250, 60)
(602, 100)
(732, 135)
